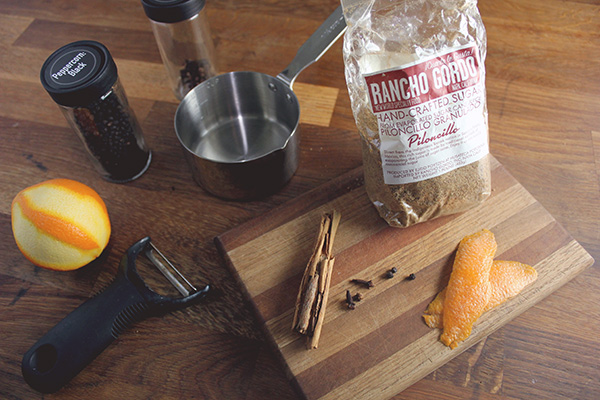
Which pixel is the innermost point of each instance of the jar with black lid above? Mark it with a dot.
(81, 77)
(183, 37)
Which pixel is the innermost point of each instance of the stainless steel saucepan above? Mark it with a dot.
(239, 130)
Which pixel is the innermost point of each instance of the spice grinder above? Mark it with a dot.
(81, 77)
(239, 130)
(182, 33)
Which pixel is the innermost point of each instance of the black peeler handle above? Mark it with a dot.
(81, 336)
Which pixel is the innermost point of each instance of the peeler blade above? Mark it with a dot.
(160, 264)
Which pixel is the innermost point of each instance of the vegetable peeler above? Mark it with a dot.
(83, 334)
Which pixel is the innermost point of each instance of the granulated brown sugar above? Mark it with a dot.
(408, 204)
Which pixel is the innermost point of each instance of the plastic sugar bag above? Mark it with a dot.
(416, 78)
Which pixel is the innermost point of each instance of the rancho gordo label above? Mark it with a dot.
(430, 114)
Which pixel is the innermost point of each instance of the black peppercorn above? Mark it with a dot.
(390, 274)
(109, 133)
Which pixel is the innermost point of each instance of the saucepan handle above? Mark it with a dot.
(315, 46)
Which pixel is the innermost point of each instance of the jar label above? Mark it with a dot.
(73, 67)
(431, 115)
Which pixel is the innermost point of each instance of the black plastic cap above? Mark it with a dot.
(171, 11)
(79, 73)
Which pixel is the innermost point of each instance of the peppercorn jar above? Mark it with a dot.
(81, 77)
(183, 37)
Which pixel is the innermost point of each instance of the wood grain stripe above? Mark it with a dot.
(316, 103)
(139, 46)
(10, 29)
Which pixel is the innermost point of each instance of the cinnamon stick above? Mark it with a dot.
(311, 301)
(320, 317)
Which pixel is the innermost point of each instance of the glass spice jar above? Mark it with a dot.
(183, 37)
(81, 77)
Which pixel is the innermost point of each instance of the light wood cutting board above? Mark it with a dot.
(383, 346)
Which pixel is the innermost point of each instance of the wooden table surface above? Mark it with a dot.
(543, 88)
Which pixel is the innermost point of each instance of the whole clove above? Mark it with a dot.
(357, 297)
(350, 301)
(193, 73)
(368, 284)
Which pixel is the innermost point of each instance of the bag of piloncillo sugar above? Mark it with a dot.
(416, 78)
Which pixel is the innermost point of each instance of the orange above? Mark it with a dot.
(507, 279)
(60, 224)
(469, 286)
